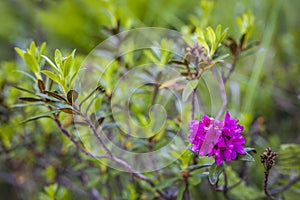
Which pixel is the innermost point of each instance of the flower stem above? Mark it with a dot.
(267, 172)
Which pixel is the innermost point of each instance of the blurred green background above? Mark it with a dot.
(268, 78)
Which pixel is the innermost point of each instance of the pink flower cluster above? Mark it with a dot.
(219, 138)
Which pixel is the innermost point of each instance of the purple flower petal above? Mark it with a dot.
(219, 138)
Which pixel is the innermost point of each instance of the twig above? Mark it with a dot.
(156, 88)
(236, 184)
(94, 131)
(68, 135)
(267, 172)
(120, 161)
(204, 69)
(86, 98)
(155, 93)
(186, 193)
(225, 189)
(235, 59)
(286, 186)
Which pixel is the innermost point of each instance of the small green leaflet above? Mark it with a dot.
(214, 173)
(189, 88)
(43, 115)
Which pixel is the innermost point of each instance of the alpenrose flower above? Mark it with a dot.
(219, 138)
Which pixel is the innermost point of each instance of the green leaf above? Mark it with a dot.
(247, 157)
(72, 96)
(24, 90)
(221, 57)
(43, 115)
(239, 22)
(289, 157)
(100, 121)
(222, 37)
(27, 74)
(198, 166)
(249, 149)
(188, 89)
(52, 76)
(68, 111)
(73, 77)
(63, 194)
(246, 23)
(73, 53)
(42, 50)
(218, 31)
(57, 96)
(185, 158)
(92, 183)
(58, 58)
(194, 83)
(110, 125)
(150, 56)
(211, 36)
(202, 41)
(51, 63)
(93, 117)
(51, 190)
(167, 183)
(30, 99)
(180, 192)
(31, 62)
(68, 63)
(27, 104)
(49, 173)
(211, 39)
(20, 52)
(214, 173)
(33, 49)
(194, 180)
(48, 98)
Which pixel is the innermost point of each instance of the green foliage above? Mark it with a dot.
(201, 19)
(6, 135)
(247, 192)
(211, 39)
(32, 57)
(246, 24)
(289, 157)
(53, 192)
(160, 54)
(49, 173)
(62, 70)
(247, 157)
